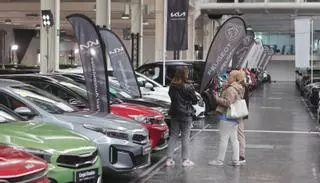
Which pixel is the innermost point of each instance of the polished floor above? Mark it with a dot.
(282, 145)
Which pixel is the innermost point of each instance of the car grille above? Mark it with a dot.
(141, 160)
(27, 178)
(77, 161)
(140, 139)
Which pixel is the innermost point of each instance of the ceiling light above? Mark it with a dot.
(8, 21)
(47, 18)
(14, 47)
(126, 12)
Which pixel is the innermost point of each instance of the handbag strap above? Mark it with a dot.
(237, 91)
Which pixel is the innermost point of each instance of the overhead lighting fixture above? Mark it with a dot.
(14, 47)
(8, 21)
(145, 22)
(47, 18)
(126, 12)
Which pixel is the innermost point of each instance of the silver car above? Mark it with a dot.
(123, 145)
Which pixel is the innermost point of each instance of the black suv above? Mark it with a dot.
(155, 71)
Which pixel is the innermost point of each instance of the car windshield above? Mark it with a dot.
(114, 90)
(43, 100)
(6, 117)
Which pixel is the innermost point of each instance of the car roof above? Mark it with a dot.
(175, 62)
(9, 82)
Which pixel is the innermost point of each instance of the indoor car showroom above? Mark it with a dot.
(159, 91)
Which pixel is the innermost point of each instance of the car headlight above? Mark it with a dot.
(162, 110)
(112, 133)
(140, 118)
(37, 152)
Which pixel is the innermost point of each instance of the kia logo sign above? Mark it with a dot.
(233, 31)
(178, 14)
(89, 44)
(116, 51)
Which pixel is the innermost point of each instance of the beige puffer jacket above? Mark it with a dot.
(230, 95)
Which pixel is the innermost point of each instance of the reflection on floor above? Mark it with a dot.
(282, 146)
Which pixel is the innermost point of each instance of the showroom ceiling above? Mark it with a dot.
(26, 14)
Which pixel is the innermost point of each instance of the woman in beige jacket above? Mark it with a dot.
(228, 127)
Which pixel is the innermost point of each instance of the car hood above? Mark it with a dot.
(150, 102)
(43, 136)
(100, 120)
(135, 109)
(16, 163)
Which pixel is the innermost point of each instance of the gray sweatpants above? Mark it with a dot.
(182, 124)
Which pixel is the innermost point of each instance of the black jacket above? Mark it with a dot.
(182, 98)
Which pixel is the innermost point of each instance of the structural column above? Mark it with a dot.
(47, 41)
(208, 32)
(103, 18)
(192, 16)
(137, 24)
(103, 13)
(159, 30)
(57, 35)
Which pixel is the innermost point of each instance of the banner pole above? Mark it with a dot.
(311, 56)
(164, 41)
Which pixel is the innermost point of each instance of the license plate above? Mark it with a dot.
(86, 175)
(146, 149)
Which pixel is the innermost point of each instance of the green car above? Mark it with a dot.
(71, 157)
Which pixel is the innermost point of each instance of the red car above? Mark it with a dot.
(19, 166)
(151, 119)
(68, 90)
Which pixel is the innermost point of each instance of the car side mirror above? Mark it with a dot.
(77, 103)
(148, 85)
(25, 112)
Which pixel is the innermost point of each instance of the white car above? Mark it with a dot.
(151, 89)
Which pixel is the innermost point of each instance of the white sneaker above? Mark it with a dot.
(170, 162)
(234, 163)
(216, 163)
(187, 163)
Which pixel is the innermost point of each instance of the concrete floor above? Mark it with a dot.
(282, 145)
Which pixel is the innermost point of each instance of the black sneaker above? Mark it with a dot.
(242, 160)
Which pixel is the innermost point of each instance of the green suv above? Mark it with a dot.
(71, 157)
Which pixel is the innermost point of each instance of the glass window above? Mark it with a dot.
(43, 99)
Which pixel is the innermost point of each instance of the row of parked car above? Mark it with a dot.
(48, 118)
(308, 84)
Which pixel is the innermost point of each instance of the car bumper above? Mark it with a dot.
(59, 174)
(124, 156)
(158, 137)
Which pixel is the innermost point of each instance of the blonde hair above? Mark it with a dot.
(239, 76)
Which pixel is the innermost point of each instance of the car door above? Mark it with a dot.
(61, 92)
(14, 103)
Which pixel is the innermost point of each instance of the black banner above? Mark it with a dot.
(177, 25)
(120, 62)
(241, 52)
(93, 59)
(264, 57)
(269, 56)
(222, 48)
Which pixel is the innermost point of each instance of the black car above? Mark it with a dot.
(117, 92)
(155, 71)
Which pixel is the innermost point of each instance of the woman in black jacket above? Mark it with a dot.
(182, 97)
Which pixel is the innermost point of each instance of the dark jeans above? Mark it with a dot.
(183, 125)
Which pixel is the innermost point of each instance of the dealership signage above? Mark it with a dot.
(177, 25)
(222, 49)
(120, 62)
(92, 54)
